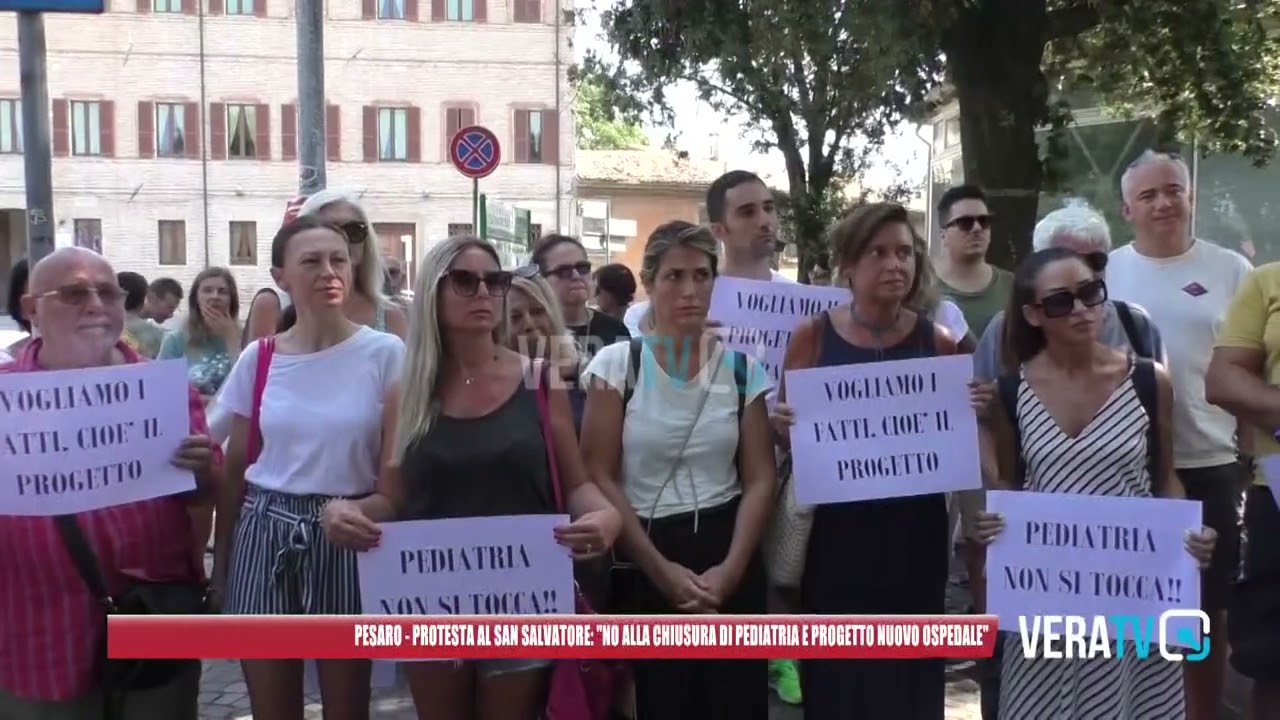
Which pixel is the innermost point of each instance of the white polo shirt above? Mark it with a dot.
(1187, 297)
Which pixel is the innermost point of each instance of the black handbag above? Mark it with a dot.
(139, 597)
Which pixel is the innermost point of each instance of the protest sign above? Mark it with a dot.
(79, 440)
(508, 565)
(758, 316)
(879, 430)
(1271, 471)
(1069, 554)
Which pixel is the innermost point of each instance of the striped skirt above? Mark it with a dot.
(282, 564)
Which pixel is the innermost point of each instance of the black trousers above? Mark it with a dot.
(697, 689)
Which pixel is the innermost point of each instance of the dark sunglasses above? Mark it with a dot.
(467, 283)
(966, 222)
(569, 272)
(80, 294)
(1063, 302)
(356, 231)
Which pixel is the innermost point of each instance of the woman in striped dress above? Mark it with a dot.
(1083, 428)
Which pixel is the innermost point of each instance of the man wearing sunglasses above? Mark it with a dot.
(1187, 284)
(979, 288)
(1082, 230)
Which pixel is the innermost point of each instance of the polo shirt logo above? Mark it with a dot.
(1195, 289)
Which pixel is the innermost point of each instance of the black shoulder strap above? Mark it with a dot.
(1007, 387)
(740, 371)
(1144, 383)
(83, 557)
(633, 371)
(1137, 340)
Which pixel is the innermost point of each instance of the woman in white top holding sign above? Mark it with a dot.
(1077, 416)
(686, 455)
(880, 256)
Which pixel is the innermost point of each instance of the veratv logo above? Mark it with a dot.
(1078, 636)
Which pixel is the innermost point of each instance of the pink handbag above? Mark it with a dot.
(580, 689)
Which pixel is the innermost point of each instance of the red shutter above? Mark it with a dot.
(217, 131)
(146, 129)
(437, 10)
(467, 117)
(368, 10)
(61, 129)
(480, 10)
(333, 133)
(370, 131)
(519, 11)
(144, 6)
(413, 129)
(451, 123)
(215, 7)
(550, 137)
(259, 8)
(288, 132)
(192, 128)
(521, 140)
(263, 149)
(189, 7)
(411, 10)
(107, 128)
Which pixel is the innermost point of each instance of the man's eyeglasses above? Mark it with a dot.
(467, 283)
(569, 272)
(80, 294)
(966, 222)
(356, 231)
(1063, 302)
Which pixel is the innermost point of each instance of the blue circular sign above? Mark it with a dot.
(475, 151)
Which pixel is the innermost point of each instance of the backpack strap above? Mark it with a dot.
(1007, 387)
(632, 379)
(1138, 340)
(266, 350)
(1144, 384)
(740, 372)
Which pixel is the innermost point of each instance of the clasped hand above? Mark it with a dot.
(346, 525)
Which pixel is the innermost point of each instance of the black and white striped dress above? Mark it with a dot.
(1109, 457)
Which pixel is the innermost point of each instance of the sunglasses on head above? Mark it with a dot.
(79, 294)
(966, 222)
(528, 272)
(467, 283)
(1062, 303)
(356, 231)
(569, 272)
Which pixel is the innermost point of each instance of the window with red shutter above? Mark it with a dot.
(241, 7)
(218, 131)
(479, 10)
(186, 7)
(288, 132)
(214, 7)
(413, 129)
(263, 150)
(368, 9)
(87, 128)
(437, 10)
(146, 129)
(369, 133)
(171, 123)
(520, 136)
(333, 133)
(144, 6)
(61, 128)
(526, 11)
(243, 131)
(411, 10)
(550, 137)
(10, 126)
(457, 117)
(192, 129)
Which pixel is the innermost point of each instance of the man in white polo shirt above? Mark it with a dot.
(1186, 285)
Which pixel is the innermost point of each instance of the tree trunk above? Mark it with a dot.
(994, 53)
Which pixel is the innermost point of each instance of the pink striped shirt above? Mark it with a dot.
(50, 626)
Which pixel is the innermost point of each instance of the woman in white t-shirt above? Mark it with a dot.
(687, 456)
(271, 557)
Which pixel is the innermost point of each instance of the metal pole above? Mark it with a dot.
(608, 235)
(475, 206)
(311, 135)
(37, 163)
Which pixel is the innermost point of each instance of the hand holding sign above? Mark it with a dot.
(782, 418)
(590, 535)
(987, 526)
(1200, 545)
(981, 394)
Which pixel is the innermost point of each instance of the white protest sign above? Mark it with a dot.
(508, 565)
(879, 430)
(79, 440)
(758, 316)
(1271, 471)
(1069, 554)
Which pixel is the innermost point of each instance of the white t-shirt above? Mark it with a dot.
(321, 414)
(1187, 297)
(656, 420)
(635, 314)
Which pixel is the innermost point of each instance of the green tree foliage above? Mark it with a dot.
(598, 124)
(805, 73)
(814, 74)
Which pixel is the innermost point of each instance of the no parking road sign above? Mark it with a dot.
(474, 151)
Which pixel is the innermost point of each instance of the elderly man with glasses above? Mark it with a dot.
(1081, 229)
(53, 624)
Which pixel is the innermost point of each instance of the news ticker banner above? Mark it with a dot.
(578, 637)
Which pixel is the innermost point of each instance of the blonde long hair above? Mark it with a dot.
(369, 280)
(425, 348)
(563, 350)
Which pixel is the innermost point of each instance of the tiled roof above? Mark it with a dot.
(645, 167)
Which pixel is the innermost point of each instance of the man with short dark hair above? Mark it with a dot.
(978, 288)
(163, 297)
(140, 333)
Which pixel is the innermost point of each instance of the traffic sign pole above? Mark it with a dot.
(475, 205)
(37, 163)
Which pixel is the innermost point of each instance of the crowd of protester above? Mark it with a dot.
(1144, 371)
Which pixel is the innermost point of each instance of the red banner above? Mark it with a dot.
(550, 637)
